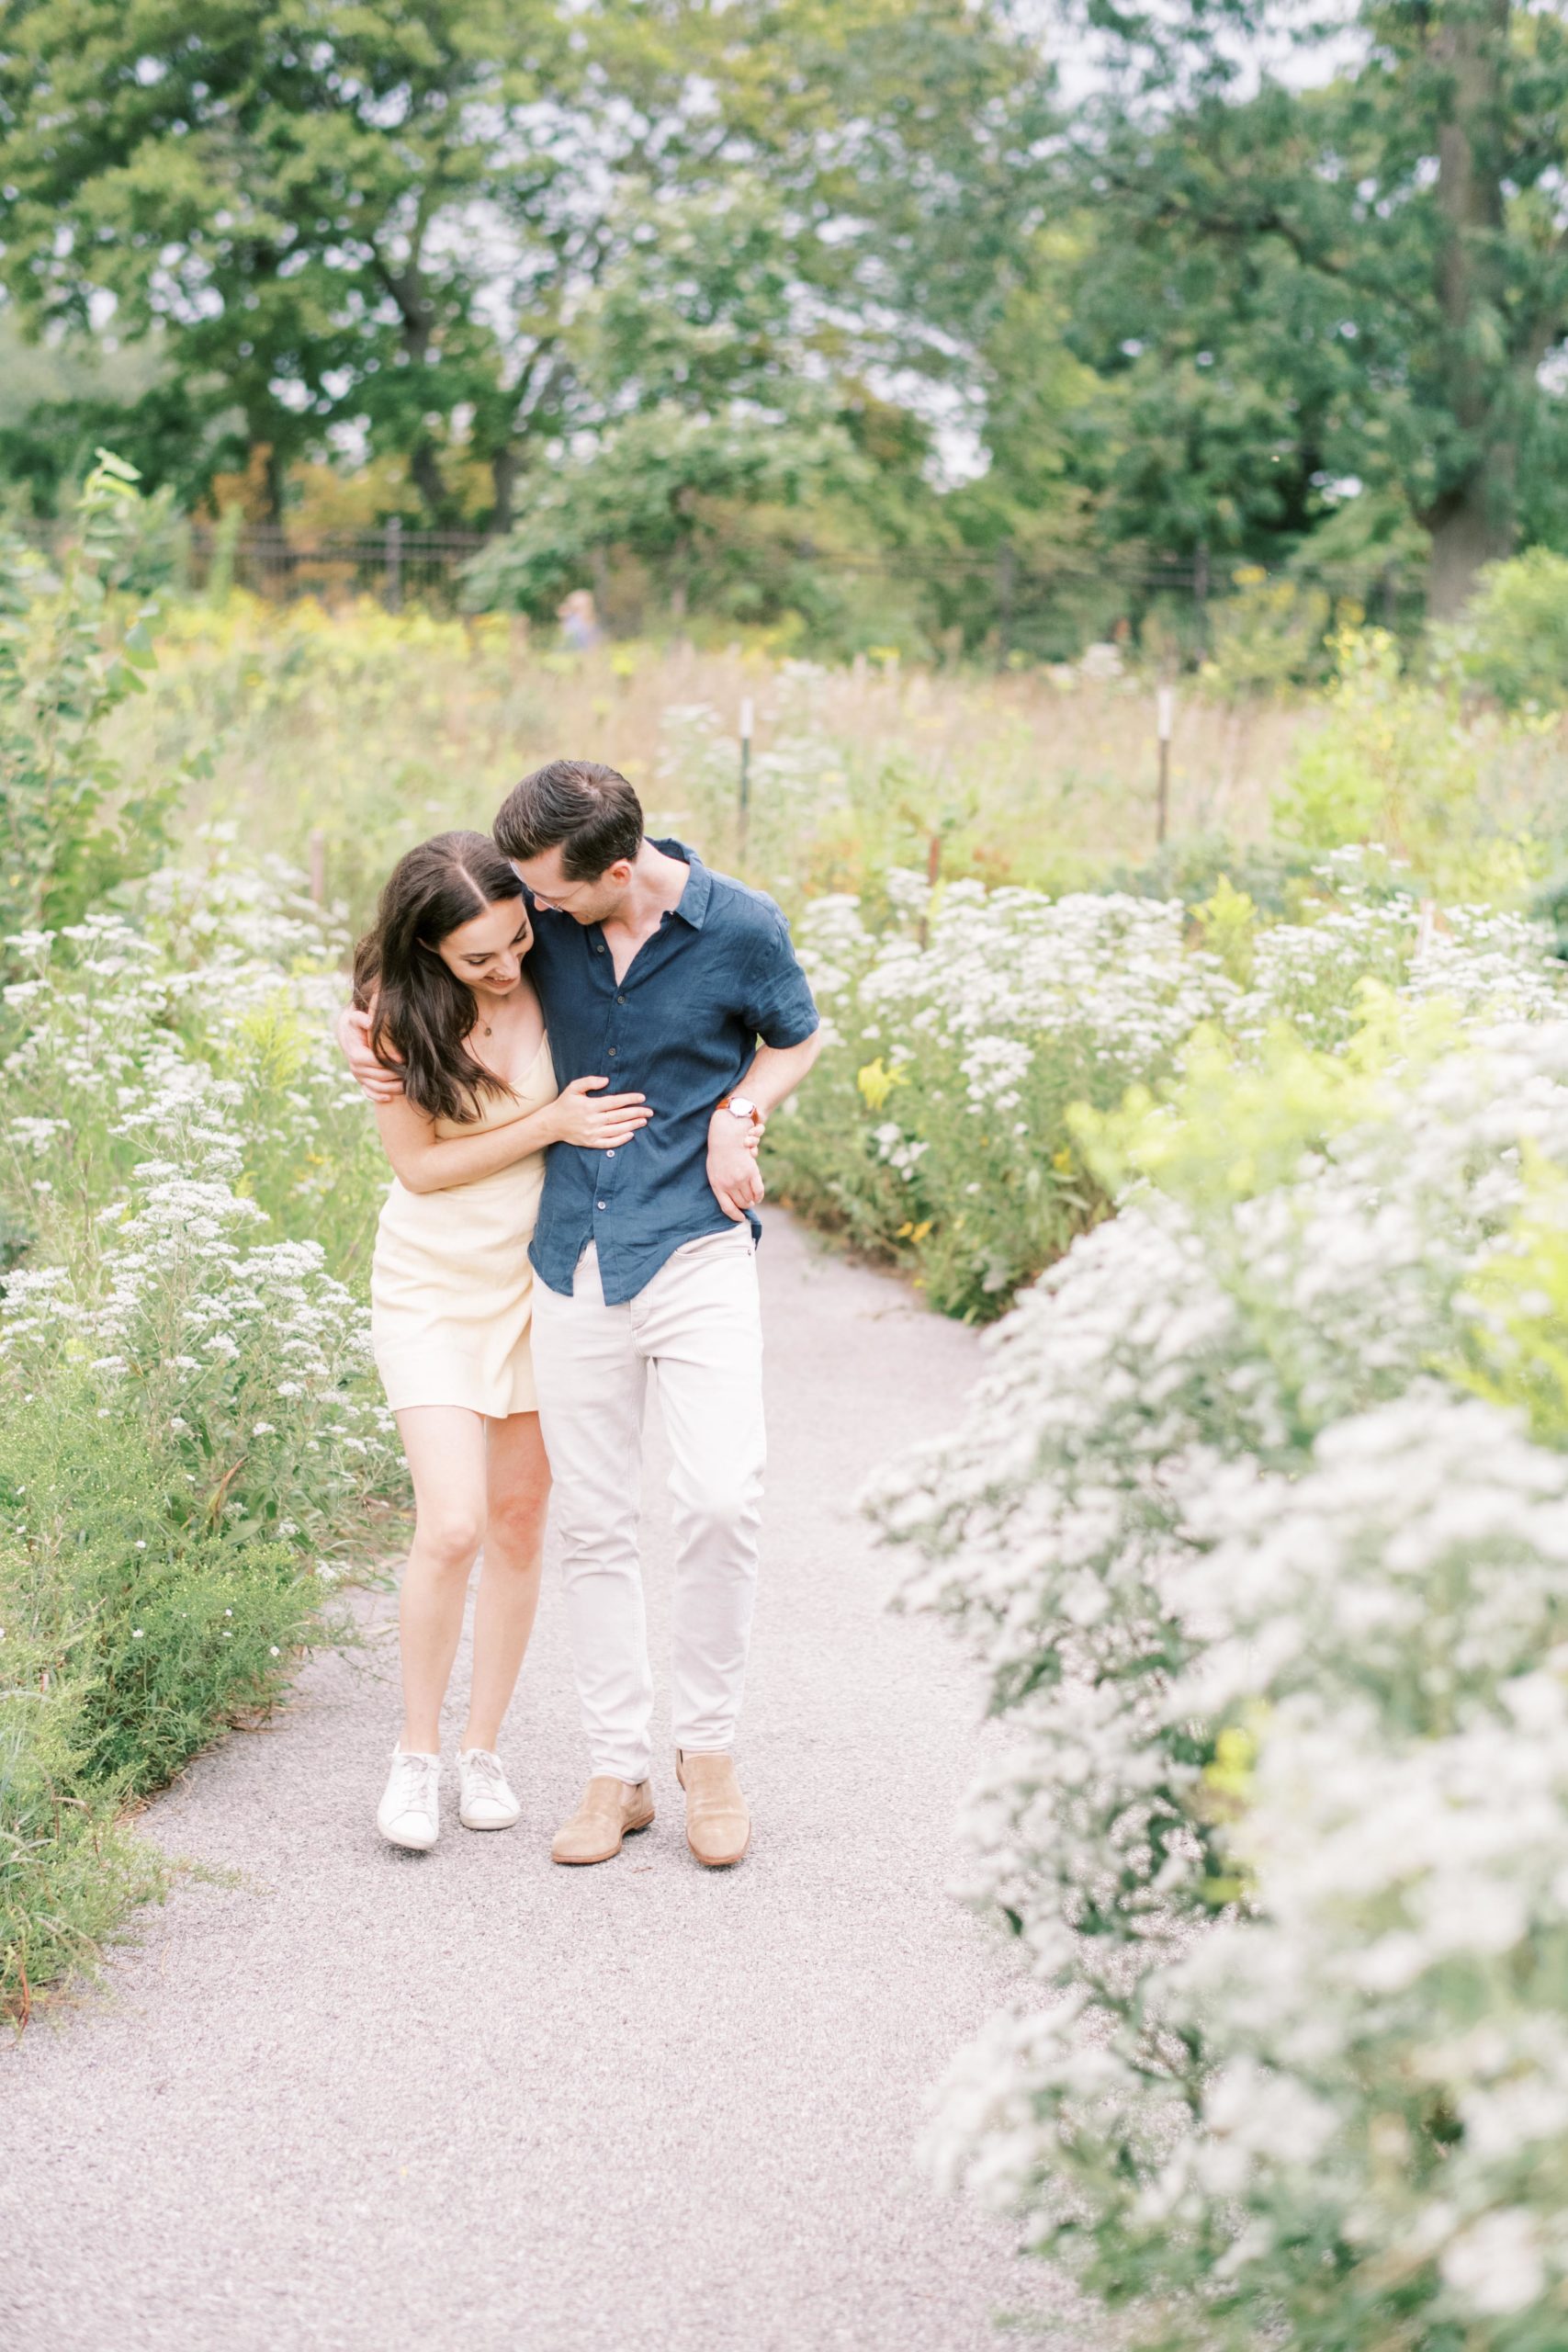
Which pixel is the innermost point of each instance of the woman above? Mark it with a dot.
(451, 1289)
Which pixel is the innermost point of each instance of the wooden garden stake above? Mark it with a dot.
(747, 716)
(1165, 723)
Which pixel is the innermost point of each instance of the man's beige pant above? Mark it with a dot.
(697, 1327)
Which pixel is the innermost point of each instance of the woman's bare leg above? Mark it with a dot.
(445, 1450)
(518, 1499)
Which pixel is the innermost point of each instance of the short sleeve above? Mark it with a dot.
(779, 1005)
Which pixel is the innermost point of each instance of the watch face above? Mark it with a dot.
(742, 1107)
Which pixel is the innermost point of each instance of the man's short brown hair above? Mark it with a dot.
(587, 811)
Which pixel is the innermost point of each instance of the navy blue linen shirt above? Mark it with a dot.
(681, 1026)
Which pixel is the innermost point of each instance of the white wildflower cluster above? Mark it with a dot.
(895, 1149)
(39, 1302)
(233, 912)
(1370, 927)
(835, 950)
(1011, 967)
(180, 1304)
(1305, 973)
(1487, 964)
(1277, 1615)
(258, 969)
(970, 1022)
(93, 1003)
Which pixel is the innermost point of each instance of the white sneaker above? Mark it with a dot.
(486, 1802)
(410, 1813)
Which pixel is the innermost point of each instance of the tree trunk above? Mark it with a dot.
(503, 471)
(1471, 520)
(424, 472)
(1472, 525)
(417, 314)
(274, 488)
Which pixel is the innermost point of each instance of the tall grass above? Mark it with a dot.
(376, 729)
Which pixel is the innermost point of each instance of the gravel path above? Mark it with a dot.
(342, 2099)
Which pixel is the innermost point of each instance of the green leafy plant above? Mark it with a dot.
(1513, 1338)
(70, 828)
(1513, 639)
(1406, 763)
(191, 1444)
(68, 1867)
(1268, 635)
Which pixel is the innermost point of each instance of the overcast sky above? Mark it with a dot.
(1270, 44)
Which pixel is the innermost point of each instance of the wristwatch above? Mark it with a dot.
(740, 1106)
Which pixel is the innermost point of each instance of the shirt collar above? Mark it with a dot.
(694, 906)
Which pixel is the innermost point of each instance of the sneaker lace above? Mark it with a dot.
(414, 1775)
(481, 1766)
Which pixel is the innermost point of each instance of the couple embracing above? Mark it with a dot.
(572, 1036)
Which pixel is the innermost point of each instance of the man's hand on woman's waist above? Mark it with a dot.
(733, 1172)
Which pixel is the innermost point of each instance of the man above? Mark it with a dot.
(661, 977)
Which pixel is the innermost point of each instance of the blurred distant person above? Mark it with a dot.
(578, 618)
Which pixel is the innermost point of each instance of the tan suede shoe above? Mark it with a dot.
(718, 1827)
(610, 1811)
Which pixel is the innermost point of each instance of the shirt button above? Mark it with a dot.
(620, 1000)
(598, 1204)
(612, 1053)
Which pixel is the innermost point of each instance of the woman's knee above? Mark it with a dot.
(450, 1540)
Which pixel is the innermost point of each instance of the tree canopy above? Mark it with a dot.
(377, 227)
(1311, 282)
(1283, 283)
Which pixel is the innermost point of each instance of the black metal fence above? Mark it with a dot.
(1004, 602)
(391, 562)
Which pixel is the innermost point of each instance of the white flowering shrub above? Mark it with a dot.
(190, 1431)
(213, 1006)
(957, 1038)
(962, 1030)
(1274, 1609)
(169, 1279)
(192, 1443)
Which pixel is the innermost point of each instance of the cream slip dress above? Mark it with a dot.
(451, 1288)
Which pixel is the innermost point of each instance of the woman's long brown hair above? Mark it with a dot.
(420, 1008)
